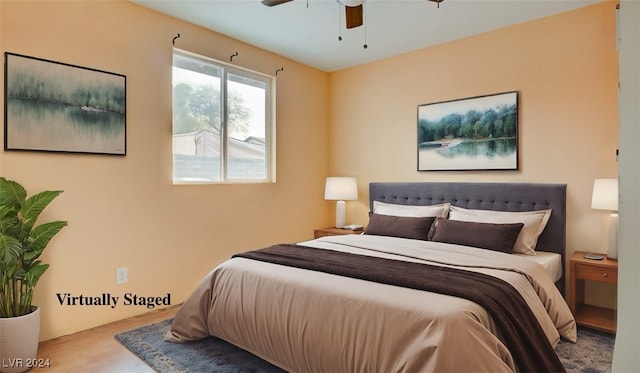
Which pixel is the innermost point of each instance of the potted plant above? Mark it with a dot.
(21, 244)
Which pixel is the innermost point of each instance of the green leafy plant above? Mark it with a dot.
(21, 244)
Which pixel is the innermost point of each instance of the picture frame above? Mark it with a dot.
(475, 133)
(58, 107)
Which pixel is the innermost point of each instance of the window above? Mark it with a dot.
(222, 122)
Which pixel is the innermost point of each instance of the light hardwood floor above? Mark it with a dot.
(96, 350)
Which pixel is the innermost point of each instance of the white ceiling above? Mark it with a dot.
(307, 30)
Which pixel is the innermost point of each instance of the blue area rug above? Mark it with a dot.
(592, 354)
(206, 355)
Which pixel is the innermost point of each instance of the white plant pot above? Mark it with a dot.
(19, 338)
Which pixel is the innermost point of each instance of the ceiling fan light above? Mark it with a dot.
(351, 3)
(274, 2)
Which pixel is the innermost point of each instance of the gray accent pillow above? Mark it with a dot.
(416, 228)
(491, 236)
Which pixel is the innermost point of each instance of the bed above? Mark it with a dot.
(402, 298)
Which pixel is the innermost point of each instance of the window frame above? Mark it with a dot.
(269, 125)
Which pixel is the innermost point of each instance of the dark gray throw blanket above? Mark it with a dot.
(518, 328)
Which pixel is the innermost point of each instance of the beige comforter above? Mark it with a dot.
(305, 321)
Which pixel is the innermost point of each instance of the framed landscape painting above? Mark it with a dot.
(477, 133)
(57, 107)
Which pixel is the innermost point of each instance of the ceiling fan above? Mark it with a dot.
(353, 10)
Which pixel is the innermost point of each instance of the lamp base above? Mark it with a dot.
(340, 214)
(612, 250)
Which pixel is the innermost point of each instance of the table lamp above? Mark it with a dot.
(605, 197)
(340, 189)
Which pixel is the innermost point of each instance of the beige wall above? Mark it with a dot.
(565, 70)
(124, 211)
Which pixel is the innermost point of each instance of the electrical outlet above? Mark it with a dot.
(122, 276)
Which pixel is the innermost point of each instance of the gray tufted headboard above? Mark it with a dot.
(486, 196)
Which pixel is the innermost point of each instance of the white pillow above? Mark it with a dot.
(414, 211)
(534, 223)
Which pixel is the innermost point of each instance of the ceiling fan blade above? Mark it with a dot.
(437, 2)
(353, 16)
(274, 2)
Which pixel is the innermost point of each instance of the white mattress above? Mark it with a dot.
(552, 263)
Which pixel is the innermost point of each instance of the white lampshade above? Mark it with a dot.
(341, 188)
(605, 194)
(605, 197)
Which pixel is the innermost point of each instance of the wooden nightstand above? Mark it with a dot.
(332, 231)
(581, 270)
